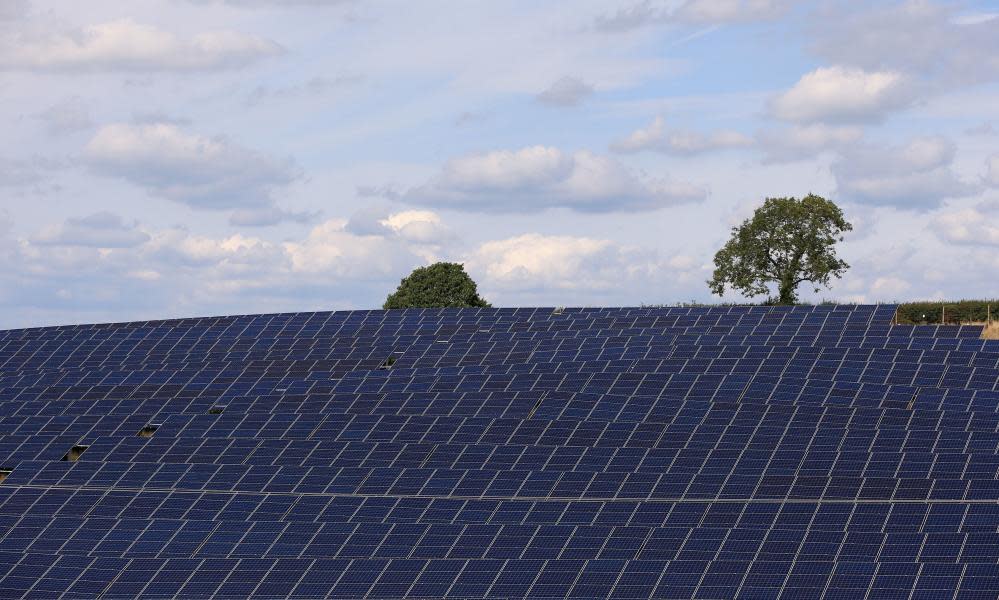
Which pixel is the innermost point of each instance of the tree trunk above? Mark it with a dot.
(787, 293)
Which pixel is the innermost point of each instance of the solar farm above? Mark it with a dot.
(702, 452)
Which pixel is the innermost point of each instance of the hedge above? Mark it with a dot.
(909, 313)
(962, 311)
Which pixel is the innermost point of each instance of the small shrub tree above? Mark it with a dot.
(440, 285)
(787, 242)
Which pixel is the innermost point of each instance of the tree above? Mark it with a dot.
(787, 242)
(440, 285)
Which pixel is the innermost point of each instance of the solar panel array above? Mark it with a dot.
(724, 452)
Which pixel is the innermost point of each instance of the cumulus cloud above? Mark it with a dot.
(177, 247)
(972, 226)
(536, 178)
(917, 175)
(99, 230)
(532, 260)
(889, 287)
(368, 220)
(129, 46)
(844, 95)
(201, 172)
(96, 266)
(557, 268)
(417, 226)
(801, 142)
(567, 91)
(657, 138)
(330, 248)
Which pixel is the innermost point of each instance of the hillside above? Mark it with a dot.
(752, 452)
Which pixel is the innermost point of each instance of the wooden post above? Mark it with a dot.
(943, 312)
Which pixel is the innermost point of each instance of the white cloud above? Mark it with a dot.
(537, 177)
(207, 265)
(535, 260)
(400, 220)
(97, 269)
(889, 287)
(330, 248)
(507, 170)
(126, 45)
(917, 175)
(992, 171)
(201, 172)
(415, 226)
(99, 230)
(967, 226)
(418, 226)
(369, 220)
(177, 247)
(801, 142)
(567, 91)
(842, 95)
(657, 138)
(572, 270)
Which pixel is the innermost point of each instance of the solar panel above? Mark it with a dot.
(690, 452)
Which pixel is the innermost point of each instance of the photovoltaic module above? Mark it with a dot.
(696, 452)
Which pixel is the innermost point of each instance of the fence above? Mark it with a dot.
(952, 313)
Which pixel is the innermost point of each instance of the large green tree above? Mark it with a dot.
(440, 285)
(787, 242)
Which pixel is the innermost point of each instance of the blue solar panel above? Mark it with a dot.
(696, 452)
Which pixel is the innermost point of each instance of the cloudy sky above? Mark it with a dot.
(166, 158)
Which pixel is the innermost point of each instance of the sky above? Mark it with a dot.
(172, 158)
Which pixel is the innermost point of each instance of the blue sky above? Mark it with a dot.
(167, 158)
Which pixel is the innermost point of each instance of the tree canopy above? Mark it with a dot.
(440, 285)
(787, 242)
